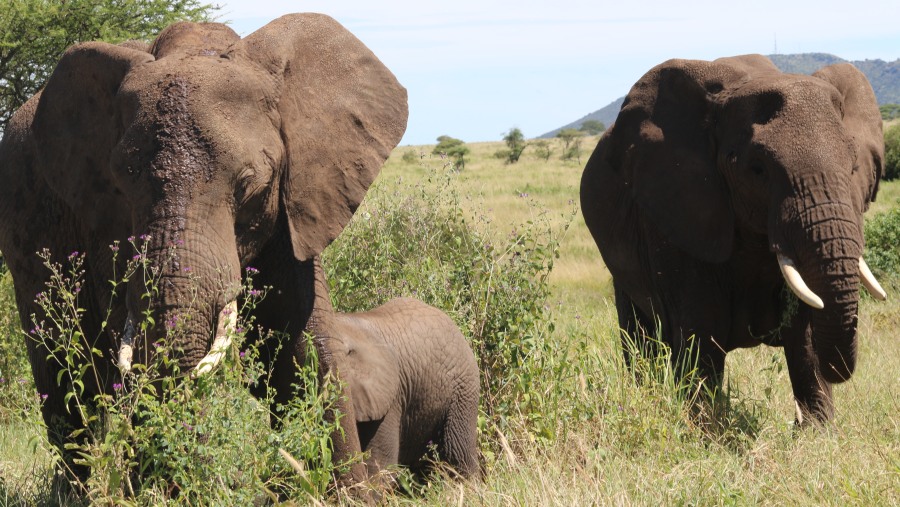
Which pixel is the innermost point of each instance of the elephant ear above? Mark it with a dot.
(370, 367)
(665, 153)
(77, 123)
(862, 119)
(342, 112)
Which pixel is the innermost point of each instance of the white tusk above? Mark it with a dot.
(225, 328)
(869, 281)
(126, 348)
(796, 283)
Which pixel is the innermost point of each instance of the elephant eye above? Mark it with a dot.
(756, 168)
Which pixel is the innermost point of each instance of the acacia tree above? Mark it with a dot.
(592, 127)
(542, 149)
(515, 141)
(452, 148)
(572, 140)
(34, 34)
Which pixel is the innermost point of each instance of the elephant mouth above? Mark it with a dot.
(802, 291)
(226, 325)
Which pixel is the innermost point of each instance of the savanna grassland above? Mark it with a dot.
(562, 422)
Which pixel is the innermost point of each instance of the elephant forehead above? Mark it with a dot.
(210, 82)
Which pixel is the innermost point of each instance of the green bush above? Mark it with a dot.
(419, 242)
(174, 438)
(892, 153)
(883, 245)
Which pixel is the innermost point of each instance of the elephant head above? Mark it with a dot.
(209, 146)
(714, 153)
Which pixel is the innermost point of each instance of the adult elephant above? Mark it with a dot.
(224, 153)
(723, 182)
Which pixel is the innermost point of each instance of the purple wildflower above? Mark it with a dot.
(145, 237)
(73, 255)
(251, 270)
(117, 386)
(255, 292)
(186, 269)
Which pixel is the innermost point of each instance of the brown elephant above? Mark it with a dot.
(226, 153)
(412, 379)
(723, 182)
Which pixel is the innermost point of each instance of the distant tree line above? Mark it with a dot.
(890, 111)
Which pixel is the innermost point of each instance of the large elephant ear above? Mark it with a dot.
(342, 112)
(862, 119)
(78, 122)
(663, 149)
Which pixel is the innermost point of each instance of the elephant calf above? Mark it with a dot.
(413, 381)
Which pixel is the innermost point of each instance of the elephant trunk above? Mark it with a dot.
(827, 248)
(192, 305)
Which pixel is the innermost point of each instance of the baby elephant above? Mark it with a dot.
(413, 382)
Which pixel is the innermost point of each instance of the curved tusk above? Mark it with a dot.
(225, 328)
(126, 348)
(796, 283)
(870, 282)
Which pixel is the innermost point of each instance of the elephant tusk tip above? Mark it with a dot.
(870, 282)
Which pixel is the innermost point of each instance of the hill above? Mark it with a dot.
(884, 76)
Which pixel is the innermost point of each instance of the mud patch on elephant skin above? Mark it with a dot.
(184, 155)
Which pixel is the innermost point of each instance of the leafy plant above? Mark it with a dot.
(883, 245)
(163, 436)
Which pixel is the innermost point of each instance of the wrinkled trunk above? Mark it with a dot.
(195, 282)
(828, 245)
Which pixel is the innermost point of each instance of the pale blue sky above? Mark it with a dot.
(474, 69)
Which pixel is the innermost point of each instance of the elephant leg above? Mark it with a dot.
(458, 445)
(636, 330)
(812, 393)
(382, 448)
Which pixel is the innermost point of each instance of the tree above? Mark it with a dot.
(592, 127)
(892, 153)
(542, 149)
(890, 111)
(452, 148)
(34, 34)
(572, 139)
(515, 141)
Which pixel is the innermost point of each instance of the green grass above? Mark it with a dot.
(613, 441)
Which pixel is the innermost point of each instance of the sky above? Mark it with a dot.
(475, 69)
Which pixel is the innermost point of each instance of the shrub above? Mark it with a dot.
(892, 153)
(883, 245)
(410, 156)
(161, 438)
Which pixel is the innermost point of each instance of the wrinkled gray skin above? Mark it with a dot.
(413, 381)
(711, 170)
(237, 152)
